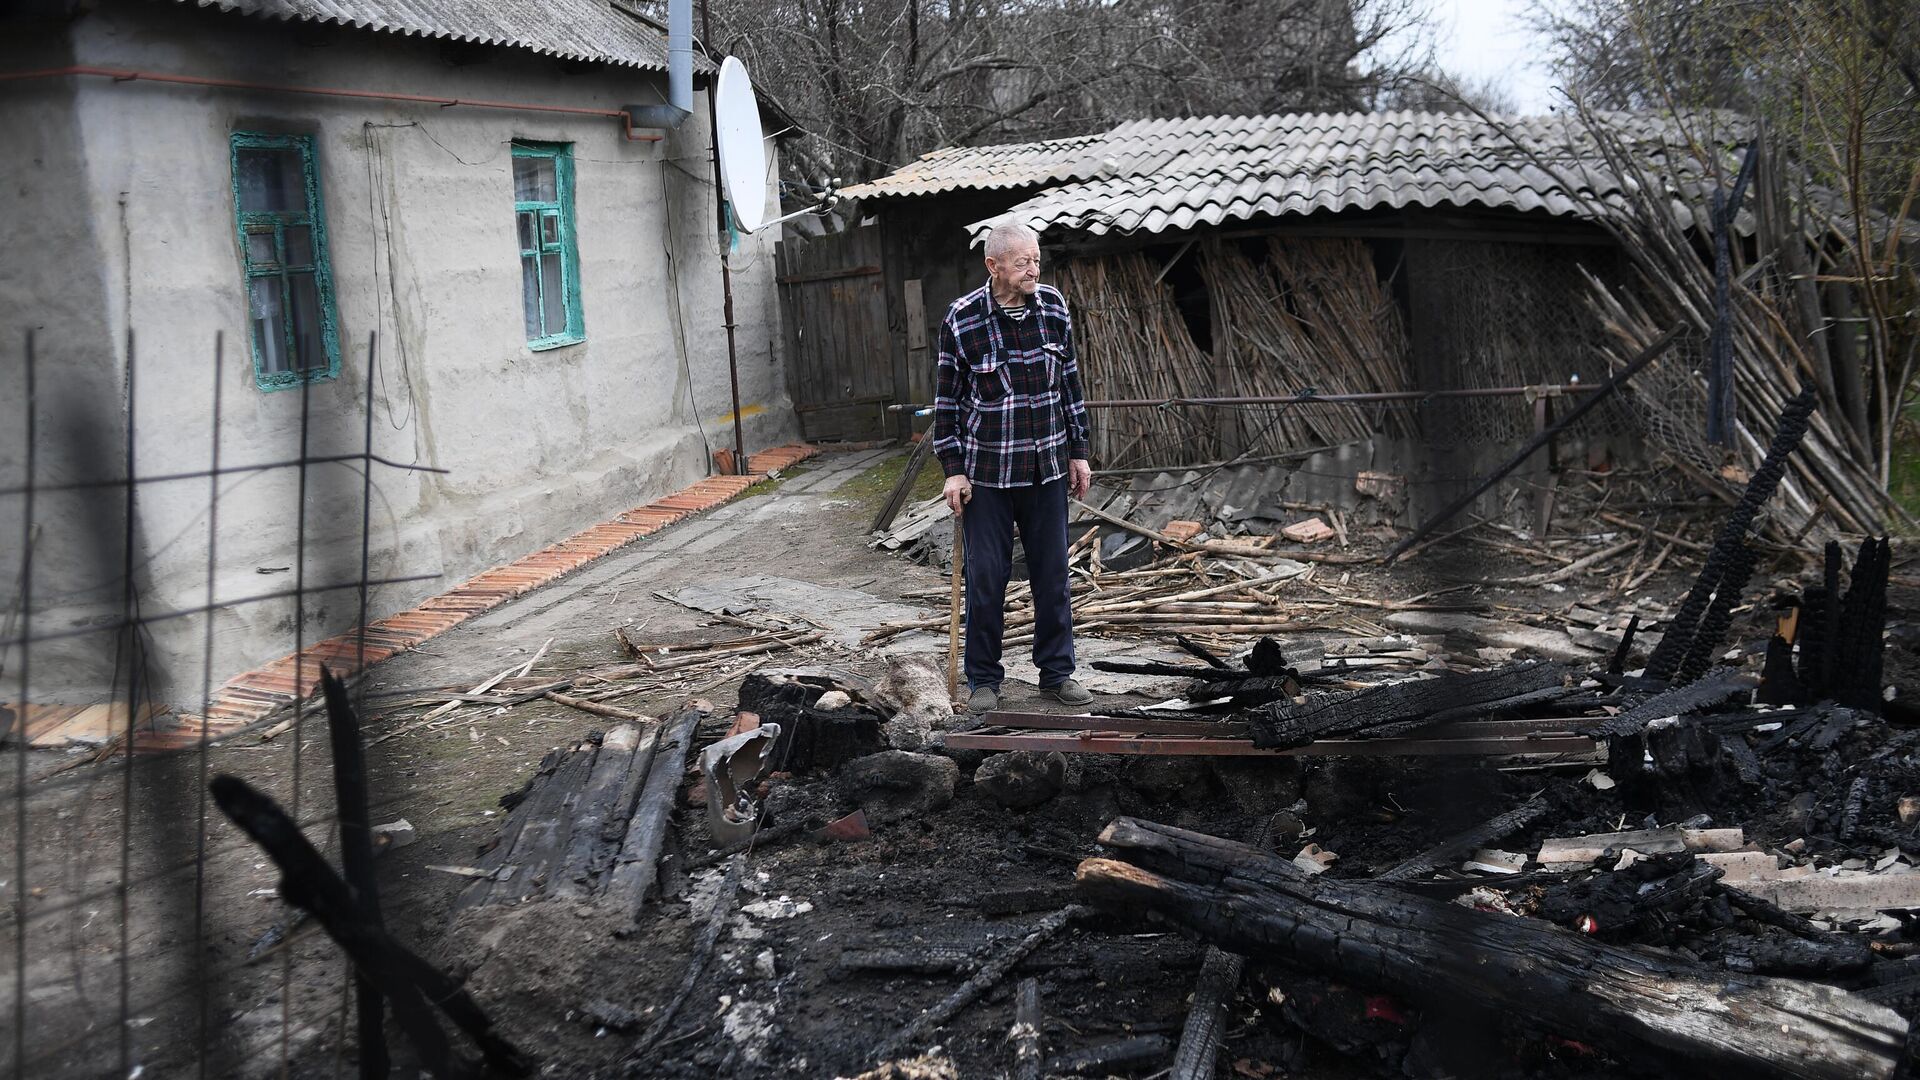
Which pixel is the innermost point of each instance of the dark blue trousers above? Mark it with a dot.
(1041, 513)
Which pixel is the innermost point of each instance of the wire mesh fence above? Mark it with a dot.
(136, 912)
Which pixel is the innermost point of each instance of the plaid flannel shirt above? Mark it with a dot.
(1008, 410)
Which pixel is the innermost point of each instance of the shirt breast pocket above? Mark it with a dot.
(1056, 364)
(990, 382)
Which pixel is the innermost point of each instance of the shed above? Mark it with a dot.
(1383, 253)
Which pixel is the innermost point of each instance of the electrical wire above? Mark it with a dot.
(679, 316)
(385, 216)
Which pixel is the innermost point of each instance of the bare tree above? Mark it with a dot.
(1834, 86)
(876, 83)
(1444, 92)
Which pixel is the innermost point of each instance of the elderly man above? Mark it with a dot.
(1010, 429)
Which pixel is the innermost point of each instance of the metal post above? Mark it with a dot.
(1543, 474)
(726, 271)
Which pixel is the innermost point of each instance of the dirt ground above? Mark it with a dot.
(574, 986)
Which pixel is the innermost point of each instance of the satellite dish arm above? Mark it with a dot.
(829, 198)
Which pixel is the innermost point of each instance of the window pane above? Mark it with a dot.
(270, 179)
(533, 179)
(299, 245)
(306, 323)
(530, 295)
(269, 324)
(553, 294)
(550, 227)
(526, 229)
(260, 249)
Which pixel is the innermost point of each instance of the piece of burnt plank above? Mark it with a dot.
(637, 866)
(1194, 648)
(1028, 1022)
(1457, 847)
(549, 820)
(1148, 667)
(1636, 1005)
(1124, 1055)
(1247, 692)
(1712, 691)
(1412, 703)
(1617, 665)
(1712, 631)
(535, 808)
(588, 852)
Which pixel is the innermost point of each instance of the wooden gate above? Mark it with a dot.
(841, 351)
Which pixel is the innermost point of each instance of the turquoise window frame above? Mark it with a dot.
(275, 223)
(559, 241)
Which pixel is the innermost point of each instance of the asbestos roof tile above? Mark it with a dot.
(589, 30)
(1152, 175)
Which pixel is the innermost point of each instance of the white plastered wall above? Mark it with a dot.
(130, 183)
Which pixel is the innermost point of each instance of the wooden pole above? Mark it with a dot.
(953, 610)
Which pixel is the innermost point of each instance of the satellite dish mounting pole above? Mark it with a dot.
(726, 246)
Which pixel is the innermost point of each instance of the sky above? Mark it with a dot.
(1489, 39)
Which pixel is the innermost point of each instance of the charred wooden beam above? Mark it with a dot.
(1779, 685)
(1455, 848)
(1107, 1058)
(1712, 631)
(637, 865)
(1407, 705)
(1618, 664)
(717, 915)
(1198, 1056)
(1678, 640)
(1638, 1005)
(598, 817)
(412, 985)
(1176, 671)
(519, 867)
(1707, 693)
(1860, 664)
(1194, 648)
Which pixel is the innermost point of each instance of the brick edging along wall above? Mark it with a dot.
(251, 696)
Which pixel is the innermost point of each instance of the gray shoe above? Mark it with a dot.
(1068, 693)
(983, 700)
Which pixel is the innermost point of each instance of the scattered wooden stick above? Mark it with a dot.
(542, 651)
(480, 689)
(1027, 1021)
(702, 952)
(983, 980)
(594, 707)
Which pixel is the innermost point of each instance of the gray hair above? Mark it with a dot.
(1008, 233)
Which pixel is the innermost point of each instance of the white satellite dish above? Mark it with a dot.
(741, 145)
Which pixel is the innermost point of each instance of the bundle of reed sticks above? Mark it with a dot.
(1311, 314)
(1830, 486)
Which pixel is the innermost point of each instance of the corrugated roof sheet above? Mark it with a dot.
(1156, 175)
(590, 30)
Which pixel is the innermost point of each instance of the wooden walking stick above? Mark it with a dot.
(953, 612)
